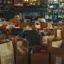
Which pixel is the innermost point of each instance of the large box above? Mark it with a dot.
(40, 58)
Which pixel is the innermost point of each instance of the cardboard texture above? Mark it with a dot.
(57, 59)
(39, 58)
(57, 56)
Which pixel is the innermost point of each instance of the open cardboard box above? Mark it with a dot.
(40, 58)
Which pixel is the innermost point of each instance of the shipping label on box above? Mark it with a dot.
(58, 60)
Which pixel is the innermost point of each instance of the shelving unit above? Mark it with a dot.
(38, 8)
(56, 10)
(61, 10)
(35, 8)
(6, 7)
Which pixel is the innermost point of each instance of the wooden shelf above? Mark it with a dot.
(21, 5)
(8, 10)
(29, 8)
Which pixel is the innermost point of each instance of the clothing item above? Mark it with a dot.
(32, 37)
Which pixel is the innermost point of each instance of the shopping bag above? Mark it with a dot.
(6, 53)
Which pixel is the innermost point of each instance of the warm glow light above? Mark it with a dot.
(34, 0)
(25, 0)
(30, 0)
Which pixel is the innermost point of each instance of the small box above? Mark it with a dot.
(57, 59)
(57, 56)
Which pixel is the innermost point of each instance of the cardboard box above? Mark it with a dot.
(40, 58)
(22, 60)
(57, 59)
(57, 56)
